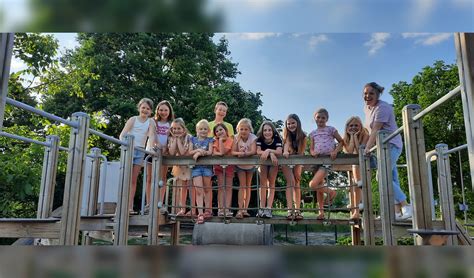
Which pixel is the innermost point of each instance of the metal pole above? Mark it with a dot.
(446, 191)
(462, 188)
(92, 197)
(384, 173)
(71, 213)
(429, 155)
(155, 214)
(122, 211)
(48, 177)
(465, 60)
(6, 48)
(416, 167)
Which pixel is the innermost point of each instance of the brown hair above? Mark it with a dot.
(170, 116)
(299, 134)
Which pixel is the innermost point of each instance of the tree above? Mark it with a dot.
(445, 125)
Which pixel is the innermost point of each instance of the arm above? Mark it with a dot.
(172, 145)
(286, 150)
(126, 129)
(273, 155)
(152, 135)
(339, 145)
(311, 148)
(350, 148)
(182, 150)
(371, 142)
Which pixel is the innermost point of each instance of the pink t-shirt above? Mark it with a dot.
(382, 113)
(323, 139)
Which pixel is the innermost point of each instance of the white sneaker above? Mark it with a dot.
(268, 213)
(261, 213)
(407, 212)
(361, 206)
(398, 216)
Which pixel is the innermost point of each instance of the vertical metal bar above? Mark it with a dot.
(368, 215)
(48, 177)
(416, 166)
(6, 49)
(429, 155)
(122, 211)
(384, 173)
(92, 197)
(446, 191)
(155, 214)
(465, 60)
(462, 188)
(71, 213)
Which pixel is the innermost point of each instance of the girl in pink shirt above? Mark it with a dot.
(322, 143)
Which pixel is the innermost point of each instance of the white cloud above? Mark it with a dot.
(376, 42)
(427, 38)
(421, 11)
(265, 5)
(316, 40)
(257, 36)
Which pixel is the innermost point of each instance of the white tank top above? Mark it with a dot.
(140, 131)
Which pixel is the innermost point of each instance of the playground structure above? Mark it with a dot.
(65, 229)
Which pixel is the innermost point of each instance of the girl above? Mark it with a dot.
(244, 146)
(354, 135)
(141, 127)
(201, 145)
(221, 111)
(294, 140)
(179, 145)
(322, 143)
(269, 144)
(163, 117)
(223, 147)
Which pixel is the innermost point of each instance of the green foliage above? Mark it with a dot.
(444, 125)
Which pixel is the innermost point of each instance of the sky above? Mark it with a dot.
(306, 54)
(300, 72)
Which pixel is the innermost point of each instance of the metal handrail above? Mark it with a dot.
(40, 112)
(459, 148)
(24, 139)
(392, 135)
(437, 103)
(107, 137)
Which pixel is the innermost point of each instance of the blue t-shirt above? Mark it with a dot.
(201, 144)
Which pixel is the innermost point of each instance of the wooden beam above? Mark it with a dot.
(6, 48)
(26, 228)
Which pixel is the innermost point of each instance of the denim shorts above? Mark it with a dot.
(138, 157)
(238, 169)
(201, 171)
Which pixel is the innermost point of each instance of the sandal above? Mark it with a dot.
(181, 213)
(239, 215)
(207, 214)
(200, 219)
(246, 214)
(220, 213)
(298, 215)
(320, 217)
(290, 215)
(189, 213)
(229, 213)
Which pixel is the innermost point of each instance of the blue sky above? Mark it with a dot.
(299, 72)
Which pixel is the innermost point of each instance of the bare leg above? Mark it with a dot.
(290, 184)
(198, 185)
(297, 192)
(133, 188)
(248, 189)
(220, 192)
(263, 186)
(242, 190)
(315, 184)
(228, 191)
(207, 193)
(271, 181)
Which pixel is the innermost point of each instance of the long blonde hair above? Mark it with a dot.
(362, 134)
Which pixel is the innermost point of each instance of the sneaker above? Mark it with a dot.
(261, 213)
(268, 213)
(398, 216)
(407, 212)
(361, 206)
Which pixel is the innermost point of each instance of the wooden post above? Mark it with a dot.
(417, 172)
(71, 213)
(6, 48)
(175, 227)
(122, 216)
(155, 214)
(368, 214)
(446, 192)
(465, 60)
(384, 172)
(93, 190)
(355, 229)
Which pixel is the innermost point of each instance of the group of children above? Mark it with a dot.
(170, 135)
